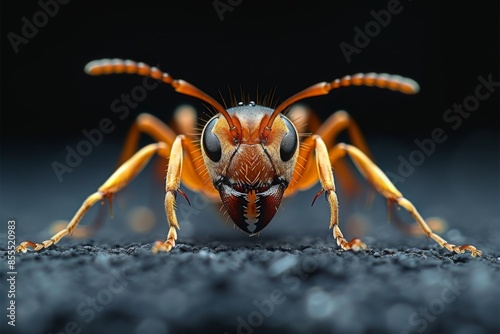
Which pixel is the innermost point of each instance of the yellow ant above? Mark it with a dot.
(249, 157)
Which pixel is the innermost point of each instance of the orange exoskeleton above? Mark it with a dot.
(249, 157)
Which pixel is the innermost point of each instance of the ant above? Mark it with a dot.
(249, 156)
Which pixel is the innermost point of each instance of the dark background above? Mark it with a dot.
(444, 46)
(47, 100)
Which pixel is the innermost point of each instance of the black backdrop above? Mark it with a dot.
(445, 46)
(47, 100)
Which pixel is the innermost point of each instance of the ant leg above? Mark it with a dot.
(150, 125)
(144, 123)
(438, 225)
(324, 169)
(386, 188)
(172, 188)
(335, 124)
(185, 118)
(81, 232)
(117, 181)
(194, 174)
(305, 171)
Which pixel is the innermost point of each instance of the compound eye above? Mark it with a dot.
(211, 144)
(289, 142)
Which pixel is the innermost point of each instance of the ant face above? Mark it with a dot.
(250, 173)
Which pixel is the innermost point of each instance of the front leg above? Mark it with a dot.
(172, 184)
(328, 185)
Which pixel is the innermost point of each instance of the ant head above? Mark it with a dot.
(251, 173)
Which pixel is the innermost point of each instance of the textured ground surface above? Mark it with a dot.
(244, 288)
(291, 277)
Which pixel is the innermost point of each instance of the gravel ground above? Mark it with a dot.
(299, 286)
(292, 278)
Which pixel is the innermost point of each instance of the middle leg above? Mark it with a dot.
(374, 175)
(116, 182)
